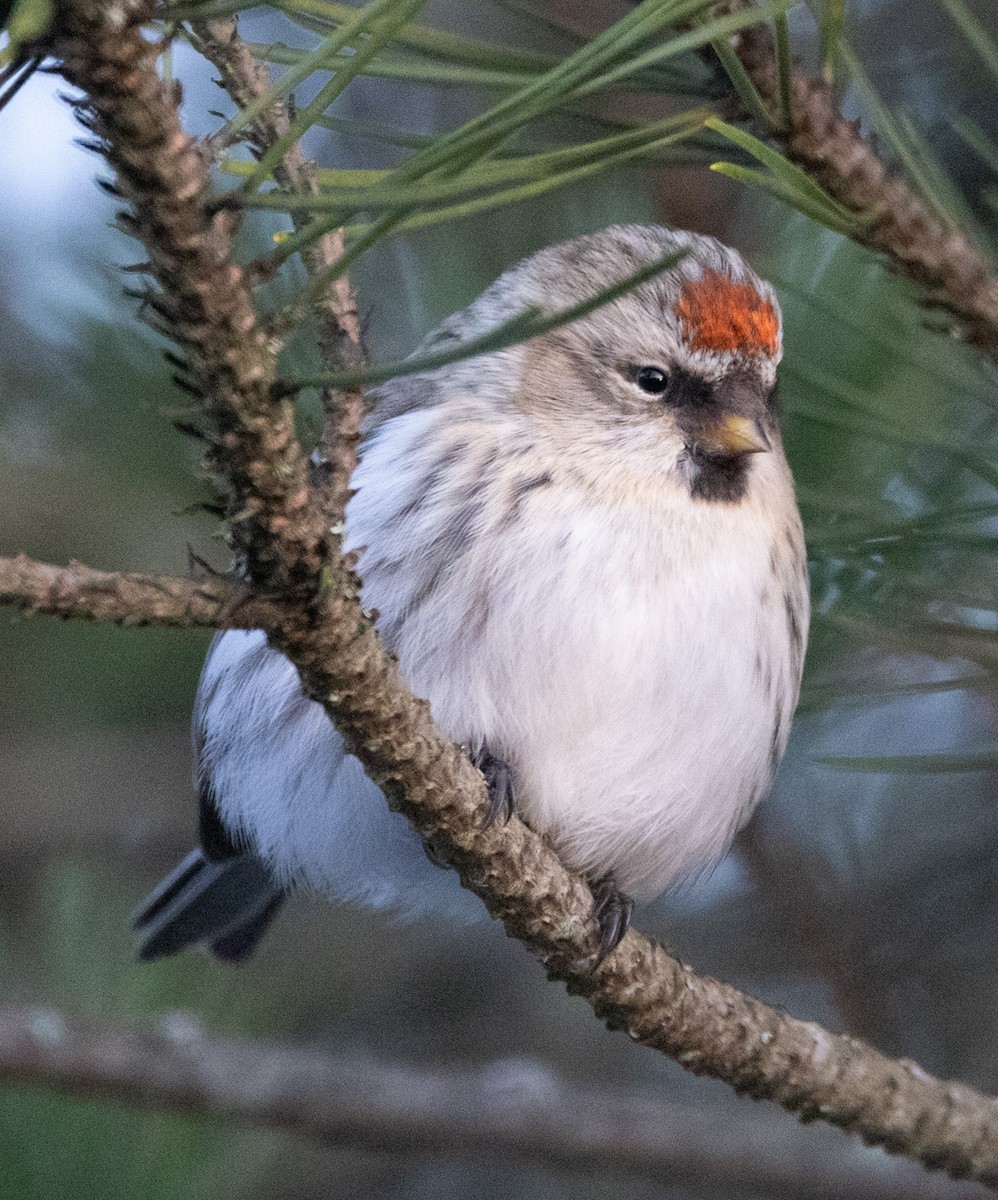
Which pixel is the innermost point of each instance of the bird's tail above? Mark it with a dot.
(226, 905)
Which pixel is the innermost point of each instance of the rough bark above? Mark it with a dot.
(339, 332)
(944, 262)
(129, 599)
(205, 299)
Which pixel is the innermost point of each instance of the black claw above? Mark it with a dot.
(499, 778)
(612, 911)
(321, 469)
(500, 781)
(435, 857)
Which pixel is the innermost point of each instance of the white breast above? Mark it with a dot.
(635, 663)
(632, 664)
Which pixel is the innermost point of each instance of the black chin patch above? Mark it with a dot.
(723, 479)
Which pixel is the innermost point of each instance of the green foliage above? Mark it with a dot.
(28, 19)
(741, 82)
(784, 180)
(890, 431)
(488, 163)
(912, 148)
(832, 17)
(977, 37)
(462, 161)
(365, 33)
(531, 323)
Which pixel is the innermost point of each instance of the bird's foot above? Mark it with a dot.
(320, 468)
(435, 857)
(499, 779)
(612, 912)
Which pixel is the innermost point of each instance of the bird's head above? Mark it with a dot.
(681, 370)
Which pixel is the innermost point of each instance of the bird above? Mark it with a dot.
(585, 552)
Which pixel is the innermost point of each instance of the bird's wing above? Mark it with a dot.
(277, 777)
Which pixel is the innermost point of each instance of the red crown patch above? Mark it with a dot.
(717, 313)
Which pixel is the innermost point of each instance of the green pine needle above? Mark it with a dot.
(976, 138)
(742, 84)
(916, 764)
(975, 33)
(400, 13)
(531, 323)
(911, 147)
(832, 18)
(435, 43)
(784, 67)
(785, 181)
(318, 59)
(352, 191)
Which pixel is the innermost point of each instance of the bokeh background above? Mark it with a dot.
(863, 894)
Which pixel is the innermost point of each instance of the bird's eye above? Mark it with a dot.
(652, 380)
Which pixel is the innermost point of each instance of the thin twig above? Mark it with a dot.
(338, 322)
(125, 598)
(516, 1113)
(281, 530)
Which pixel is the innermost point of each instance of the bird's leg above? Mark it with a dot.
(320, 468)
(435, 857)
(612, 911)
(499, 778)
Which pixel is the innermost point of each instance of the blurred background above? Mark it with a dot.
(863, 895)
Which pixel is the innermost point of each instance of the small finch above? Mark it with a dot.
(586, 554)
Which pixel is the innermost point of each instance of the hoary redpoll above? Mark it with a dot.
(586, 554)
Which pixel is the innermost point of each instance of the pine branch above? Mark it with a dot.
(205, 301)
(281, 530)
(338, 322)
(123, 598)
(514, 1113)
(943, 261)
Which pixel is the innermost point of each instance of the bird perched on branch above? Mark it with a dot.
(585, 552)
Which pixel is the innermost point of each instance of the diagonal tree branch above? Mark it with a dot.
(516, 1113)
(943, 261)
(205, 299)
(129, 599)
(280, 531)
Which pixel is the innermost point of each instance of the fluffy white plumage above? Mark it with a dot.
(564, 579)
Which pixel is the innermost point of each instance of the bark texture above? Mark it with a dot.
(129, 599)
(339, 331)
(204, 298)
(943, 261)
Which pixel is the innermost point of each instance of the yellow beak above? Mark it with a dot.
(734, 435)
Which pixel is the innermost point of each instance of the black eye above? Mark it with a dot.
(652, 380)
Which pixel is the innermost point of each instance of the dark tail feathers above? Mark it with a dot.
(227, 905)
